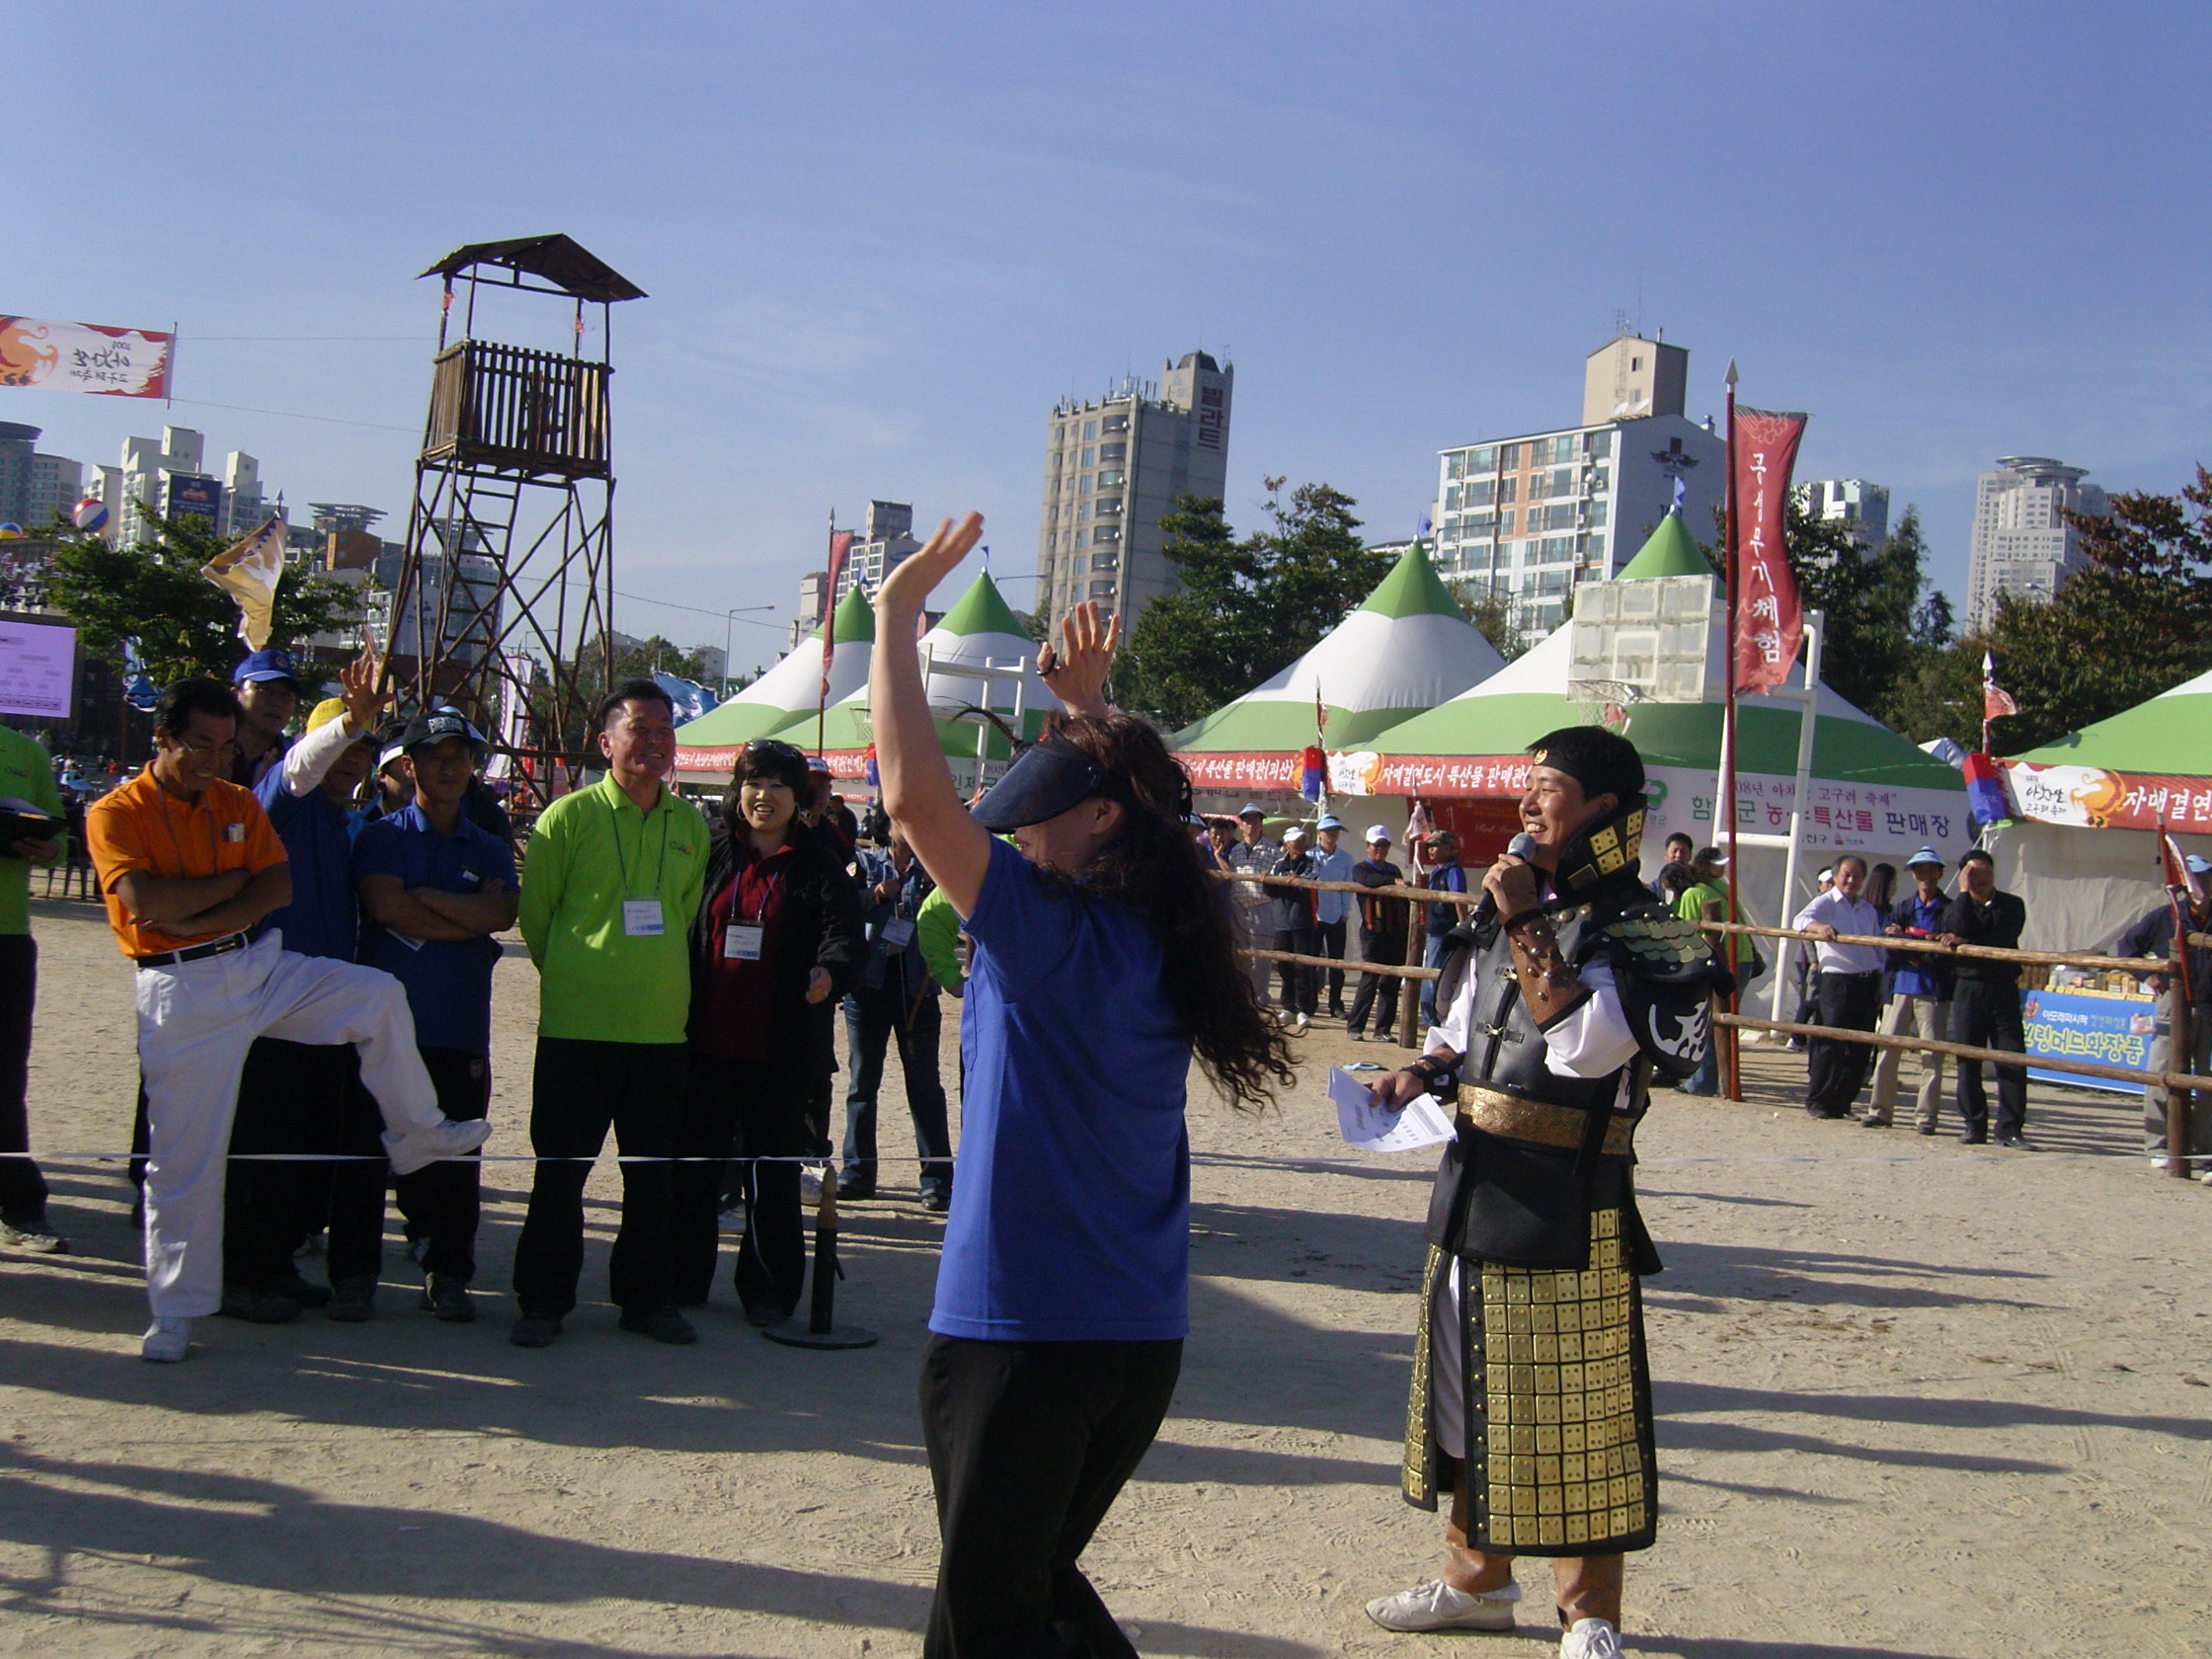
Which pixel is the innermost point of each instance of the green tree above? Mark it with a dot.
(1493, 615)
(183, 623)
(2136, 620)
(1244, 609)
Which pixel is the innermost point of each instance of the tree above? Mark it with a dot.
(1245, 608)
(183, 624)
(1493, 615)
(2135, 621)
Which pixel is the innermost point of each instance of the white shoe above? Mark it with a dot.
(1301, 1025)
(1436, 1605)
(810, 1186)
(166, 1341)
(422, 1147)
(1591, 1638)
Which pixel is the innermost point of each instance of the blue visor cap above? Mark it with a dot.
(265, 664)
(1049, 778)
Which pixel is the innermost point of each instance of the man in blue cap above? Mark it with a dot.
(1331, 909)
(2153, 935)
(1919, 996)
(266, 686)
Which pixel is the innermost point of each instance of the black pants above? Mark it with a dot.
(1987, 1015)
(1836, 1071)
(442, 1202)
(578, 1089)
(23, 1190)
(291, 1099)
(353, 1200)
(1383, 949)
(1300, 981)
(1329, 935)
(1029, 1445)
(759, 1113)
(873, 1019)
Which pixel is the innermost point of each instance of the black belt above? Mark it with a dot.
(193, 953)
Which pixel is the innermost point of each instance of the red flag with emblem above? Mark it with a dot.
(1769, 624)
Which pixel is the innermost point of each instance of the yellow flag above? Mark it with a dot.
(248, 572)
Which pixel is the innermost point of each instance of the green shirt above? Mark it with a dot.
(937, 933)
(27, 773)
(589, 852)
(1690, 906)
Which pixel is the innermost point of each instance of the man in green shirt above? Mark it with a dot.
(1706, 900)
(610, 884)
(27, 775)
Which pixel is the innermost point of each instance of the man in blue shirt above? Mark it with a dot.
(895, 996)
(1331, 909)
(434, 886)
(1919, 1002)
(1445, 876)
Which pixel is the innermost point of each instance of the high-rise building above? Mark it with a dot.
(885, 539)
(57, 486)
(1853, 502)
(1113, 466)
(17, 445)
(244, 508)
(1534, 515)
(2023, 542)
(812, 587)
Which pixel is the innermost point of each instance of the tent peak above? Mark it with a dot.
(983, 609)
(853, 620)
(1670, 550)
(1412, 588)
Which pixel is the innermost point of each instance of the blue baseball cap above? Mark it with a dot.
(1329, 821)
(266, 665)
(2198, 866)
(1926, 855)
(1250, 809)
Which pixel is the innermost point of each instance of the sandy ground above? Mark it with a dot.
(1913, 1401)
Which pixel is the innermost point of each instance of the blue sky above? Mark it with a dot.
(881, 240)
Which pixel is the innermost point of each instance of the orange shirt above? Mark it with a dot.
(140, 826)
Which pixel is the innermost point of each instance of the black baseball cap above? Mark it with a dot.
(438, 725)
(1049, 778)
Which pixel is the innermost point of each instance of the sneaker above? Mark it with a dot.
(663, 1324)
(1355, 1036)
(534, 1332)
(2205, 1179)
(35, 1236)
(305, 1292)
(421, 1147)
(1436, 1605)
(447, 1299)
(1591, 1638)
(1301, 1026)
(353, 1301)
(810, 1186)
(166, 1341)
(258, 1306)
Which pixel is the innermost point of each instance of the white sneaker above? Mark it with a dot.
(422, 1147)
(166, 1341)
(810, 1186)
(1436, 1605)
(1591, 1638)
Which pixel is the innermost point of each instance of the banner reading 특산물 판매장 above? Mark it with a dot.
(36, 352)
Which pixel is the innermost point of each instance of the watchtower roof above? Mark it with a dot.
(569, 267)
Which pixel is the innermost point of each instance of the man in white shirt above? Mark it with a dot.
(1848, 994)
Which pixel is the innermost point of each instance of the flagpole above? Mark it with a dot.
(828, 638)
(1730, 1059)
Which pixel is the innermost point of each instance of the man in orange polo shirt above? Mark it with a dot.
(189, 865)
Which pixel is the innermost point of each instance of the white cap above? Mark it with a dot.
(1377, 832)
(1296, 833)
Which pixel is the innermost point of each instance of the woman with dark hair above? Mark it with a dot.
(775, 943)
(1104, 960)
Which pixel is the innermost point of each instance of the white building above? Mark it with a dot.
(2023, 543)
(885, 539)
(1854, 501)
(1534, 515)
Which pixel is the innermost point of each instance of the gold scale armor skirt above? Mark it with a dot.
(1559, 1456)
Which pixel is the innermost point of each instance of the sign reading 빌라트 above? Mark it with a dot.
(2092, 798)
(83, 358)
(2087, 1025)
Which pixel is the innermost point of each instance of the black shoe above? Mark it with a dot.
(353, 1301)
(855, 1194)
(1827, 1117)
(258, 1306)
(447, 1299)
(663, 1324)
(2017, 1143)
(1970, 1138)
(1926, 1127)
(765, 1318)
(936, 1202)
(305, 1292)
(531, 1332)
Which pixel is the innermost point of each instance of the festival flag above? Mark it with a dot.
(1314, 771)
(1985, 791)
(249, 572)
(1996, 700)
(1769, 624)
(841, 543)
(91, 357)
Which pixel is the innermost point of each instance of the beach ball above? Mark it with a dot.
(11, 532)
(91, 513)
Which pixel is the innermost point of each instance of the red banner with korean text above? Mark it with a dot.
(1770, 626)
(841, 543)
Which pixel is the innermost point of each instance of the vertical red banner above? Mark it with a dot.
(1769, 624)
(841, 543)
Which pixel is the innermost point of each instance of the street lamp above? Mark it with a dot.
(729, 621)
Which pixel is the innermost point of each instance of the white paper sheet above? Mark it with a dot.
(1422, 1123)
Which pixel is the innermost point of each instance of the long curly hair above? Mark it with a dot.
(1153, 865)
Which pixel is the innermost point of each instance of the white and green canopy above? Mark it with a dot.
(1405, 650)
(2169, 735)
(709, 743)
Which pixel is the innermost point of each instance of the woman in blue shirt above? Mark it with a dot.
(1104, 960)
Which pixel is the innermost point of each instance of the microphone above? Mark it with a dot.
(1524, 847)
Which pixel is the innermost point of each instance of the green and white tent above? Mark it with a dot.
(707, 747)
(2083, 850)
(1406, 648)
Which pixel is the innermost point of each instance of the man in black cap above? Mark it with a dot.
(1561, 999)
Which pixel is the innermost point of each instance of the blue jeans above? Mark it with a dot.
(1707, 1078)
(1432, 953)
(872, 1019)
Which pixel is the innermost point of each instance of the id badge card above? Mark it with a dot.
(741, 941)
(898, 932)
(641, 918)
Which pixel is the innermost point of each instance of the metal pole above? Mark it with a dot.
(2181, 1052)
(1731, 1060)
(1816, 629)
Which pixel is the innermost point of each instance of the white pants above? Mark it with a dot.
(196, 1022)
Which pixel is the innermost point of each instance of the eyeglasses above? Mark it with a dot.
(210, 750)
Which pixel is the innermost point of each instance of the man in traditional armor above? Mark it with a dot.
(1562, 999)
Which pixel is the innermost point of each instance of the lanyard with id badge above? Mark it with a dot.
(641, 918)
(742, 939)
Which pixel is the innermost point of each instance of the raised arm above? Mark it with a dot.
(917, 786)
(1076, 669)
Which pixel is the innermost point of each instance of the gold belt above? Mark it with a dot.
(1514, 1119)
